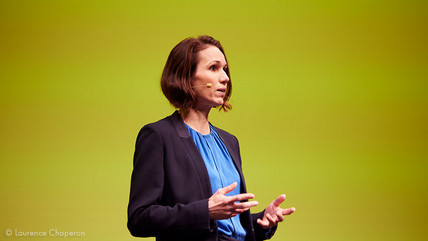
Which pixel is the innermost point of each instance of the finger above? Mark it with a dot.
(228, 189)
(270, 218)
(242, 197)
(263, 223)
(288, 211)
(278, 200)
(279, 216)
(241, 210)
(245, 205)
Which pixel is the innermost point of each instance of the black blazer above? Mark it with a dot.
(170, 186)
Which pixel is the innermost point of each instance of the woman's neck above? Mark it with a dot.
(197, 120)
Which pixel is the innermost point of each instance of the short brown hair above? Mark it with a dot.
(176, 80)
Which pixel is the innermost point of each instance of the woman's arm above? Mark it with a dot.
(147, 215)
(260, 232)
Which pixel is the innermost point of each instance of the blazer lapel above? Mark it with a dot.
(235, 157)
(193, 152)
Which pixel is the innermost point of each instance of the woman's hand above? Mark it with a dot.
(274, 214)
(223, 207)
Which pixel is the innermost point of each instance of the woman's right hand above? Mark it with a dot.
(223, 207)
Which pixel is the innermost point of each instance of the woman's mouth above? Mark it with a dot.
(223, 90)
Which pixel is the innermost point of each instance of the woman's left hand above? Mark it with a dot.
(274, 214)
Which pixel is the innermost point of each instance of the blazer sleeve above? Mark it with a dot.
(259, 232)
(147, 215)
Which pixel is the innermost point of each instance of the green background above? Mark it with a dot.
(330, 107)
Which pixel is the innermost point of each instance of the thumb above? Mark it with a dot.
(228, 189)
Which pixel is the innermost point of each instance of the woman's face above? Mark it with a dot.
(210, 69)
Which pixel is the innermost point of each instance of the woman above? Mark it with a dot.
(187, 182)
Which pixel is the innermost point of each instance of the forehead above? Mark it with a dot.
(210, 54)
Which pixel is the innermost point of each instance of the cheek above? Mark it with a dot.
(208, 95)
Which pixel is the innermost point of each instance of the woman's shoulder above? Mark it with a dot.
(160, 125)
(165, 126)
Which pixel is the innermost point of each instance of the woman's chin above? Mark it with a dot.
(218, 104)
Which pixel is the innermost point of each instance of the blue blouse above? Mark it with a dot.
(222, 173)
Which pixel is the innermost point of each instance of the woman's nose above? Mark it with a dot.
(224, 78)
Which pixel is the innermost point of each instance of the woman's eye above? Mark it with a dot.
(213, 67)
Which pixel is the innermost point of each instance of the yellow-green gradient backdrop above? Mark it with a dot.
(330, 107)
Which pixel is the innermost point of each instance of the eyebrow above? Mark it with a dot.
(217, 61)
